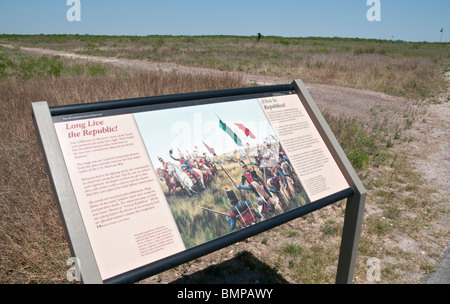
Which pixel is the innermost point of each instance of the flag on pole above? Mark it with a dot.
(230, 132)
(246, 130)
(210, 150)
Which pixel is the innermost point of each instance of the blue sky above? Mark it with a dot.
(410, 20)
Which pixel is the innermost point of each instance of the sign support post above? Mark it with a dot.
(65, 196)
(350, 238)
(355, 204)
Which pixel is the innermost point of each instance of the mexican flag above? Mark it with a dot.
(230, 132)
(246, 130)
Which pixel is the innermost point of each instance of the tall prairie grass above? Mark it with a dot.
(408, 69)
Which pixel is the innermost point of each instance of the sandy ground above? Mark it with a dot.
(429, 149)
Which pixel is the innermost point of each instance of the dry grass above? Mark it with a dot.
(32, 243)
(33, 248)
(407, 69)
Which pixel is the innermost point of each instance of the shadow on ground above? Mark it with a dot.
(245, 268)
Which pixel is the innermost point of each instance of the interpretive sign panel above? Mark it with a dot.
(157, 183)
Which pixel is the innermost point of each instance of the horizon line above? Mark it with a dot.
(230, 35)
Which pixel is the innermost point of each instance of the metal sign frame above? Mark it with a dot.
(73, 222)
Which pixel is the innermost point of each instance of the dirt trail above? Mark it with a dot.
(338, 100)
(430, 143)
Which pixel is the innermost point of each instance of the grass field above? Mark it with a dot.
(408, 69)
(32, 241)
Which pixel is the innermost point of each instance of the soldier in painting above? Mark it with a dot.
(242, 212)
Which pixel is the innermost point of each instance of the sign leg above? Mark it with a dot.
(350, 238)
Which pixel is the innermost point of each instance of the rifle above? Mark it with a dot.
(234, 183)
(232, 180)
(213, 211)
